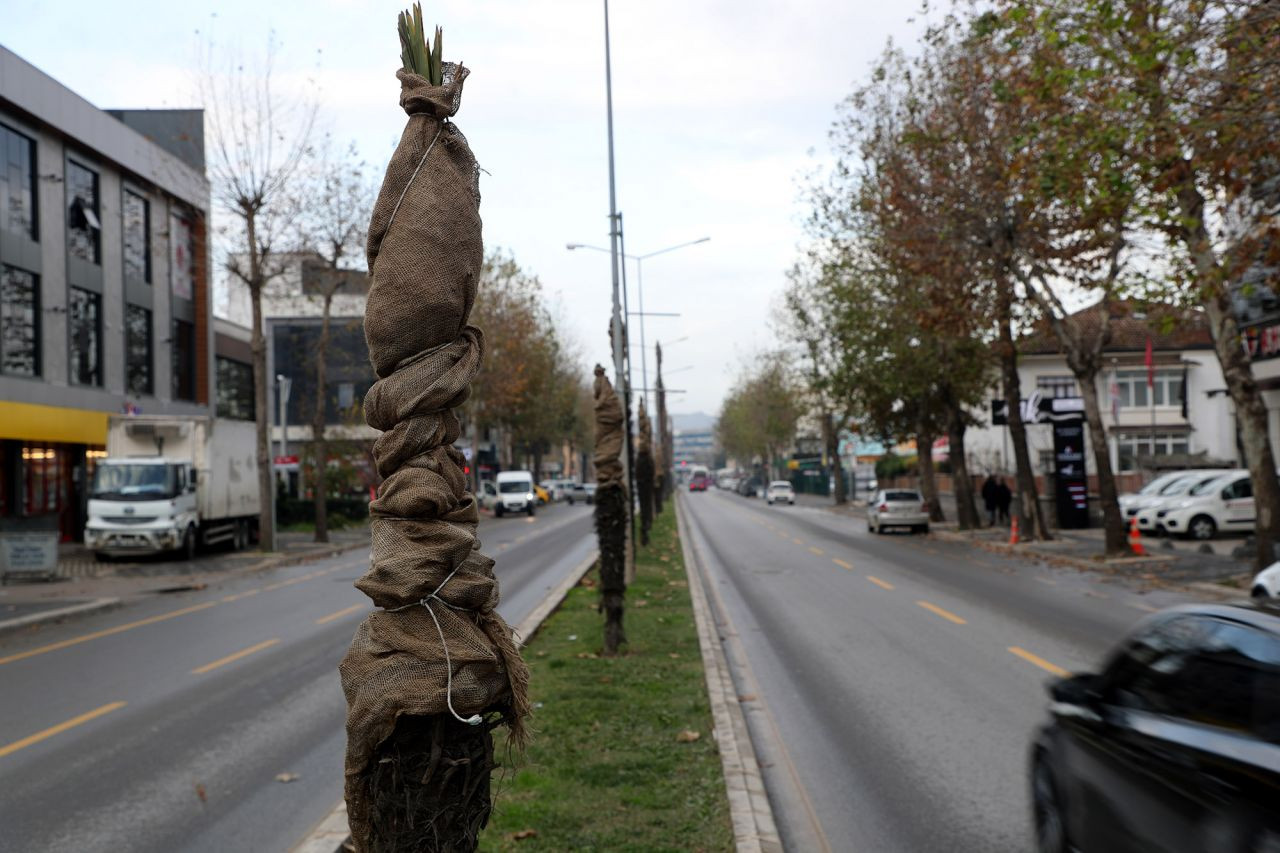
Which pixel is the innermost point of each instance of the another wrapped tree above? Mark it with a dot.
(611, 510)
(644, 473)
(434, 669)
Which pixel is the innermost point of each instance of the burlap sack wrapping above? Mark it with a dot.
(644, 444)
(608, 431)
(425, 252)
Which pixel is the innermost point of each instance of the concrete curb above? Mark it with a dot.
(754, 827)
(331, 834)
(83, 609)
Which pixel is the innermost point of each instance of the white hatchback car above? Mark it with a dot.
(1146, 508)
(780, 491)
(1267, 583)
(1221, 504)
(897, 508)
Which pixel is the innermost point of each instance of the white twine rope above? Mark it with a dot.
(474, 719)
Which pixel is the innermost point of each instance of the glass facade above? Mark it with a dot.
(181, 268)
(84, 231)
(19, 322)
(138, 350)
(84, 328)
(235, 389)
(137, 238)
(17, 183)
(182, 345)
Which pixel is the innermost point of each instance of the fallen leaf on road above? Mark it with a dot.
(523, 834)
(286, 777)
(747, 697)
(688, 736)
(200, 792)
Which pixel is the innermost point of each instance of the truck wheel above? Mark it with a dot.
(240, 538)
(497, 510)
(188, 549)
(101, 557)
(531, 510)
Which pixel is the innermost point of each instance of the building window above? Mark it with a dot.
(183, 347)
(181, 269)
(19, 322)
(137, 238)
(1135, 444)
(17, 183)
(1133, 389)
(84, 319)
(137, 345)
(235, 389)
(1057, 386)
(84, 231)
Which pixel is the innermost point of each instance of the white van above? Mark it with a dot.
(515, 493)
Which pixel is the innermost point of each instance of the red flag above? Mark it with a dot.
(1151, 365)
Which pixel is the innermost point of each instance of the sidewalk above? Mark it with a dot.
(84, 585)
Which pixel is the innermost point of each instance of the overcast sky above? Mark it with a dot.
(719, 108)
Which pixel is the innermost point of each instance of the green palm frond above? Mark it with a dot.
(415, 54)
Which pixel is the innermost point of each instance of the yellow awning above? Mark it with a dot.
(30, 422)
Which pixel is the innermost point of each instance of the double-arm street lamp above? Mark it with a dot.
(640, 259)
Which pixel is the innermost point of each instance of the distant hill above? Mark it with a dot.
(692, 422)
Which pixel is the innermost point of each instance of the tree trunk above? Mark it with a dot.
(832, 436)
(644, 483)
(928, 483)
(1030, 514)
(1112, 522)
(1251, 412)
(961, 485)
(261, 409)
(431, 766)
(611, 530)
(319, 443)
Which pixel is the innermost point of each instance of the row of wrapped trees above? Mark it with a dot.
(1032, 156)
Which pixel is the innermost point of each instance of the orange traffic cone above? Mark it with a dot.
(1135, 539)
(1013, 532)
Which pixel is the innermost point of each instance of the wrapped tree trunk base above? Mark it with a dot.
(430, 767)
(611, 529)
(644, 485)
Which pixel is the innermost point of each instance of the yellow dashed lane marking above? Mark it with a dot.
(53, 647)
(1038, 661)
(798, 541)
(882, 584)
(945, 614)
(352, 609)
(232, 658)
(59, 728)
(817, 551)
(1138, 605)
(842, 564)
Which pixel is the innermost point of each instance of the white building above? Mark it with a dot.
(1186, 412)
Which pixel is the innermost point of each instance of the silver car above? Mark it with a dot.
(897, 508)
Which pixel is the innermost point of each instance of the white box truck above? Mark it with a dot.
(172, 483)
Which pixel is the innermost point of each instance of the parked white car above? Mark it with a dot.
(1172, 493)
(1131, 502)
(780, 491)
(1267, 582)
(1221, 504)
(897, 508)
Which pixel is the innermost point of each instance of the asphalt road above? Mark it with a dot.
(163, 726)
(892, 682)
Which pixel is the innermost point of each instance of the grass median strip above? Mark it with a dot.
(623, 757)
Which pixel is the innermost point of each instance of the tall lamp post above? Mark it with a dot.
(640, 259)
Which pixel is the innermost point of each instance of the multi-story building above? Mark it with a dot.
(104, 286)
(1183, 417)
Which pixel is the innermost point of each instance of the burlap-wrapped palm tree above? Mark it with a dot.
(611, 510)
(644, 473)
(434, 668)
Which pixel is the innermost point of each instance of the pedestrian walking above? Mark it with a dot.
(989, 490)
(1004, 497)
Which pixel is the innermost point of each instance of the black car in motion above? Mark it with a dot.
(1174, 746)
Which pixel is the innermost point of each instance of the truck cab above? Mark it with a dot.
(141, 506)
